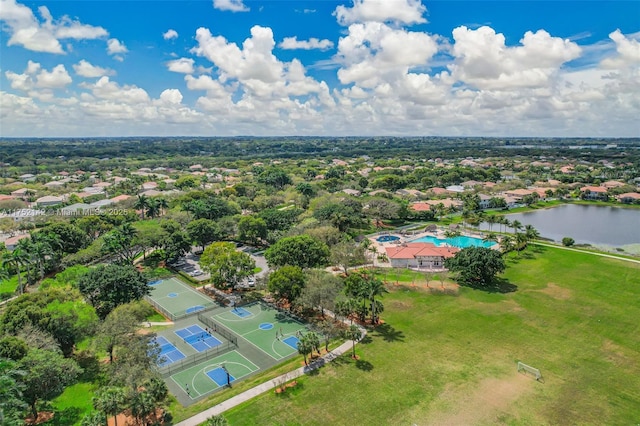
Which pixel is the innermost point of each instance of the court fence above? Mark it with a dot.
(209, 306)
(192, 360)
(218, 328)
(160, 309)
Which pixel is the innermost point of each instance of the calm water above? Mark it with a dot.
(613, 226)
(460, 242)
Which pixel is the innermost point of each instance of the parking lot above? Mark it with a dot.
(189, 264)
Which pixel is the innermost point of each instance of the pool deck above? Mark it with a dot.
(405, 237)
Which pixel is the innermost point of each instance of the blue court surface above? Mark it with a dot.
(168, 352)
(292, 341)
(219, 376)
(241, 312)
(194, 309)
(156, 282)
(198, 338)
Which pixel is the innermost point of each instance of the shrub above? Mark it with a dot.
(568, 241)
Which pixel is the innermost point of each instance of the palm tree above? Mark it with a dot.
(153, 208)
(531, 232)
(521, 243)
(110, 400)
(516, 225)
(491, 236)
(374, 287)
(305, 348)
(163, 204)
(506, 242)
(217, 420)
(491, 220)
(142, 203)
(353, 333)
(15, 260)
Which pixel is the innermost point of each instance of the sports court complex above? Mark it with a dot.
(210, 346)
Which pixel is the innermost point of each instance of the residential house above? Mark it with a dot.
(22, 193)
(629, 198)
(49, 200)
(485, 201)
(353, 192)
(12, 242)
(420, 207)
(594, 192)
(419, 255)
(120, 198)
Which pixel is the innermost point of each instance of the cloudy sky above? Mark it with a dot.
(278, 67)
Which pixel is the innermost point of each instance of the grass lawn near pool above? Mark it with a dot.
(442, 359)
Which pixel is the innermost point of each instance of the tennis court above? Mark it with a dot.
(198, 338)
(273, 332)
(214, 374)
(168, 352)
(177, 299)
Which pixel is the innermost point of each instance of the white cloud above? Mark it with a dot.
(230, 5)
(182, 65)
(292, 43)
(115, 47)
(85, 69)
(57, 78)
(29, 32)
(170, 34)
(627, 49)
(485, 62)
(35, 78)
(374, 52)
(401, 11)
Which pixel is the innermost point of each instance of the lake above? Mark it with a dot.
(595, 225)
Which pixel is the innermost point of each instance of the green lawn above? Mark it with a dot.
(442, 359)
(73, 404)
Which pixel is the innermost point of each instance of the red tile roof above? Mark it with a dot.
(413, 250)
(420, 207)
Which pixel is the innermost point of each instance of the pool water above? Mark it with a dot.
(461, 241)
(387, 238)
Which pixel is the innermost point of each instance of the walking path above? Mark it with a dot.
(611, 256)
(271, 384)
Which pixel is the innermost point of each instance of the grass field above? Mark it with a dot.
(442, 359)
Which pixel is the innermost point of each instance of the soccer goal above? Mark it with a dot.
(529, 369)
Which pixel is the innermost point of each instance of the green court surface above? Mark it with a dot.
(177, 299)
(273, 332)
(210, 375)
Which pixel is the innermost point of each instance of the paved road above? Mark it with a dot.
(611, 256)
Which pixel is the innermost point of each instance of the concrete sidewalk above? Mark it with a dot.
(271, 384)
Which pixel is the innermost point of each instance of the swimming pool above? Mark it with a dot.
(387, 238)
(461, 241)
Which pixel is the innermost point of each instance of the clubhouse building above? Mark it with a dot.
(419, 255)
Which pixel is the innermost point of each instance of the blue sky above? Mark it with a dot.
(363, 67)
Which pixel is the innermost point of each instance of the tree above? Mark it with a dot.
(531, 232)
(94, 418)
(252, 229)
(374, 288)
(314, 341)
(476, 266)
(70, 238)
(301, 250)
(275, 177)
(347, 253)
(13, 348)
(46, 375)
(203, 231)
(226, 265)
(305, 348)
(16, 260)
(118, 325)
(142, 204)
(287, 282)
(217, 420)
(107, 287)
(341, 215)
(353, 333)
(568, 241)
(186, 182)
(120, 243)
(110, 400)
(12, 405)
(320, 290)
